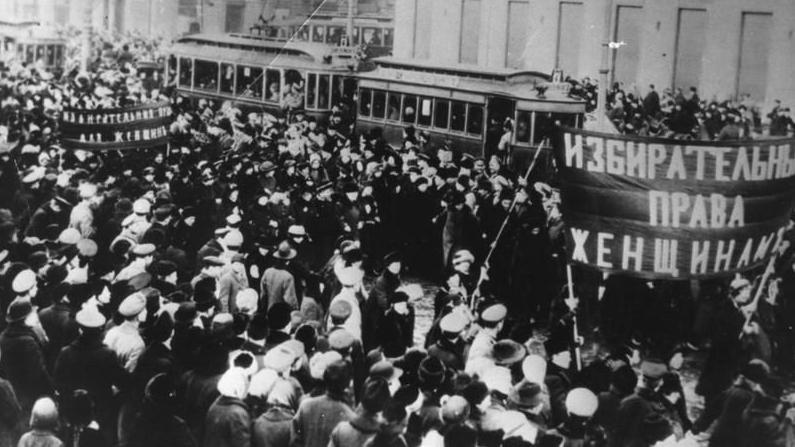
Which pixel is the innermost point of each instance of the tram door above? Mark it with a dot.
(499, 110)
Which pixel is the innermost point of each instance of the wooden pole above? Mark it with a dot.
(575, 330)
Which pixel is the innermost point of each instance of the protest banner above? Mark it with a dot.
(673, 209)
(135, 127)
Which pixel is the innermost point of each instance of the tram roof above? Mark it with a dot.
(258, 51)
(518, 84)
(30, 32)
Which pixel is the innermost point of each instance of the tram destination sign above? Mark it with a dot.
(672, 209)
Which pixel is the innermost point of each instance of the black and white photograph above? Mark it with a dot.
(397, 223)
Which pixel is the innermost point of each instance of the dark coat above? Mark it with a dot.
(763, 426)
(727, 409)
(11, 417)
(633, 410)
(227, 424)
(394, 328)
(272, 428)
(22, 363)
(316, 419)
(59, 323)
(450, 354)
(88, 364)
(558, 383)
(157, 428)
(354, 433)
(726, 355)
(155, 359)
(196, 393)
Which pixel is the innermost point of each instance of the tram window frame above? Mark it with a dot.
(337, 89)
(523, 116)
(311, 90)
(41, 52)
(50, 54)
(256, 84)
(459, 104)
(375, 104)
(270, 81)
(390, 41)
(323, 98)
(365, 102)
(357, 35)
(182, 74)
(445, 105)
(319, 37)
(224, 86)
(536, 115)
(469, 122)
(406, 103)
(375, 33)
(303, 33)
(197, 74)
(420, 102)
(566, 119)
(30, 54)
(339, 33)
(399, 97)
(58, 55)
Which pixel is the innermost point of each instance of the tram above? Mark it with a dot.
(465, 104)
(28, 42)
(260, 73)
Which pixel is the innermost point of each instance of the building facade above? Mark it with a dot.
(725, 48)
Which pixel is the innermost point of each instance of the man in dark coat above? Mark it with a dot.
(22, 361)
(11, 417)
(378, 300)
(449, 348)
(156, 425)
(637, 407)
(762, 423)
(59, 323)
(651, 103)
(461, 229)
(198, 388)
(56, 211)
(87, 364)
(395, 329)
(317, 416)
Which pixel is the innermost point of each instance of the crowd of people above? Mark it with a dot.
(683, 114)
(248, 286)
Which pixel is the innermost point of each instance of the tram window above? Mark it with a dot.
(59, 56)
(249, 81)
(389, 37)
(523, 126)
(393, 113)
(20, 50)
(409, 109)
(357, 32)
(273, 81)
(40, 52)
(318, 33)
(50, 55)
(457, 116)
(338, 83)
(335, 33)
(302, 34)
(185, 72)
(206, 75)
(425, 112)
(294, 89)
(323, 91)
(372, 36)
(544, 127)
(379, 103)
(228, 79)
(365, 95)
(441, 114)
(475, 119)
(565, 119)
(29, 54)
(311, 91)
(171, 67)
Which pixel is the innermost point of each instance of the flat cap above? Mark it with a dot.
(132, 305)
(87, 248)
(653, 368)
(90, 317)
(24, 281)
(143, 249)
(453, 323)
(581, 402)
(340, 309)
(340, 339)
(494, 313)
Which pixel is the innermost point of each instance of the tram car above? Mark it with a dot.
(466, 105)
(31, 43)
(262, 74)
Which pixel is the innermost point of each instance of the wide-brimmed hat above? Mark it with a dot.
(285, 251)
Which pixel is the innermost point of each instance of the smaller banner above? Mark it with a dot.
(135, 127)
(672, 209)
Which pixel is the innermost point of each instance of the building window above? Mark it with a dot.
(234, 17)
(689, 47)
(188, 8)
(570, 23)
(470, 31)
(754, 55)
(629, 19)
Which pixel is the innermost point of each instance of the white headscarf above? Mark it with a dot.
(234, 383)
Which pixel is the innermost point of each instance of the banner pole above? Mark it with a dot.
(575, 330)
(760, 288)
(493, 245)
